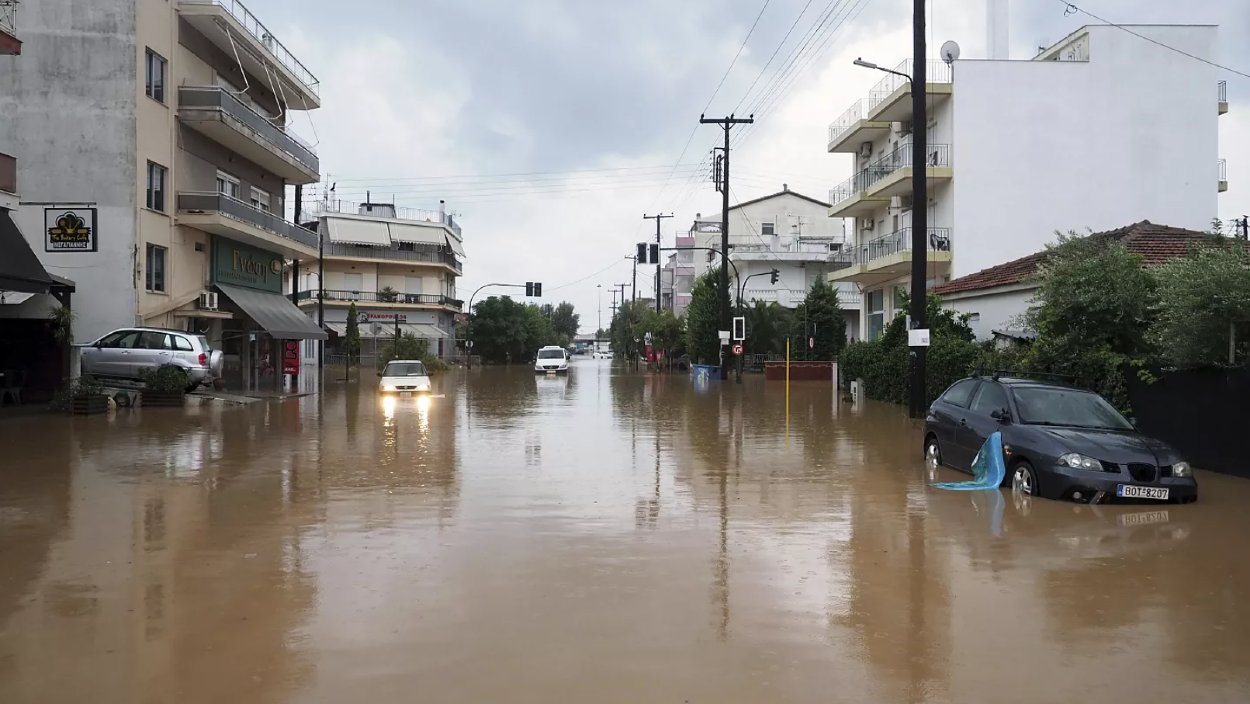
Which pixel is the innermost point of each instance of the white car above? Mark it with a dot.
(552, 359)
(404, 377)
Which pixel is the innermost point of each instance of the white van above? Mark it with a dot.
(552, 359)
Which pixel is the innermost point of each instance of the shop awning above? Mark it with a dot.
(274, 313)
(350, 231)
(20, 269)
(416, 234)
(385, 329)
(455, 246)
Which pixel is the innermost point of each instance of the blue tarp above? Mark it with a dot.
(988, 468)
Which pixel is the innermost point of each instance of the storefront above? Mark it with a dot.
(262, 340)
(378, 326)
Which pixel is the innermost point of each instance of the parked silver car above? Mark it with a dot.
(125, 354)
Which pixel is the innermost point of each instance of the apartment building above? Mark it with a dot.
(1100, 129)
(158, 131)
(786, 231)
(677, 275)
(399, 266)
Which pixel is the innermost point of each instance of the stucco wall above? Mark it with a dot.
(995, 310)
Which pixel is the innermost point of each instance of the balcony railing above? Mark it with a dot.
(935, 72)
(417, 299)
(898, 241)
(1223, 169)
(237, 209)
(430, 256)
(8, 17)
(216, 98)
(792, 297)
(254, 27)
(343, 207)
(8, 173)
(938, 155)
(1221, 91)
(838, 127)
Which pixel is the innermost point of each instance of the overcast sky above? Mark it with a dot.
(595, 101)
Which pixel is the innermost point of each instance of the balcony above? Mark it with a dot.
(797, 252)
(223, 118)
(10, 45)
(853, 128)
(399, 300)
(232, 27)
(1221, 96)
(890, 99)
(239, 221)
(792, 297)
(889, 176)
(1223, 177)
(337, 250)
(889, 257)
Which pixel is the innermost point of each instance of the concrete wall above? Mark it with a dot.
(70, 118)
(1058, 145)
(996, 309)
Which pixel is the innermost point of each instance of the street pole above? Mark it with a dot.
(726, 124)
(600, 287)
(634, 286)
(919, 206)
(657, 219)
(321, 294)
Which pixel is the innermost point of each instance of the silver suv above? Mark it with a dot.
(125, 354)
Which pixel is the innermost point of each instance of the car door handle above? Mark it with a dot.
(963, 422)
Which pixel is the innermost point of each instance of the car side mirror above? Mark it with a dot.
(379, 375)
(1002, 416)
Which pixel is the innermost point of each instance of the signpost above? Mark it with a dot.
(738, 349)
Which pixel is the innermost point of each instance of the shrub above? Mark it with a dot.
(386, 294)
(165, 379)
(82, 387)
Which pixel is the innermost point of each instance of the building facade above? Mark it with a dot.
(399, 268)
(677, 275)
(1100, 129)
(166, 138)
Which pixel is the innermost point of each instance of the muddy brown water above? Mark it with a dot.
(605, 537)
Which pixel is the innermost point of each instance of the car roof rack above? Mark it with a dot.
(1036, 376)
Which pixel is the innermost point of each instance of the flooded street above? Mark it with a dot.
(605, 537)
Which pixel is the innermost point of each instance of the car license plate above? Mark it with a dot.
(1142, 518)
(405, 393)
(1128, 491)
(551, 372)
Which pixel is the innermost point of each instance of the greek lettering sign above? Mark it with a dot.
(239, 264)
(69, 230)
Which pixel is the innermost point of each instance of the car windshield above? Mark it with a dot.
(551, 354)
(404, 369)
(1082, 409)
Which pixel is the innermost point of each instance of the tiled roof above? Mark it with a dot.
(1156, 244)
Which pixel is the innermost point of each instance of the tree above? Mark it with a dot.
(767, 327)
(565, 321)
(823, 322)
(539, 331)
(1202, 296)
(626, 329)
(667, 331)
(703, 323)
(499, 329)
(351, 341)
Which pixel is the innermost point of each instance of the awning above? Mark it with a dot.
(274, 313)
(455, 246)
(339, 329)
(20, 269)
(417, 234)
(349, 231)
(386, 329)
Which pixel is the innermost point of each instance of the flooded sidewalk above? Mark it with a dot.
(607, 536)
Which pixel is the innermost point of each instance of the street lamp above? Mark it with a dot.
(868, 64)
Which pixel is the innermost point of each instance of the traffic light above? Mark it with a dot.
(655, 254)
(538, 289)
(529, 289)
(772, 276)
(642, 253)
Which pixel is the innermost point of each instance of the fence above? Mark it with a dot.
(1201, 412)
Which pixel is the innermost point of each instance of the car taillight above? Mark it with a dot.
(203, 360)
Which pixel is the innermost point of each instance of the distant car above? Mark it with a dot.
(603, 355)
(552, 359)
(1059, 442)
(127, 354)
(404, 377)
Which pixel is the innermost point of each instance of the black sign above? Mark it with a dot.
(70, 230)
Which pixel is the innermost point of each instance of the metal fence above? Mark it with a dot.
(935, 72)
(900, 158)
(422, 299)
(432, 255)
(235, 208)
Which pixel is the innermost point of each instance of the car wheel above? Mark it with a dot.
(1024, 479)
(932, 452)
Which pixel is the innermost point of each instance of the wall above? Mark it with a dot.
(1045, 146)
(1202, 413)
(995, 310)
(70, 119)
(377, 276)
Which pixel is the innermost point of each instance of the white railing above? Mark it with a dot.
(839, 127)
(262, 34)
(935, 72)
(8, 17)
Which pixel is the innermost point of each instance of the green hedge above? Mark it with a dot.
(886, 368)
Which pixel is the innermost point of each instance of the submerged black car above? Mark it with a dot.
(1058, 442)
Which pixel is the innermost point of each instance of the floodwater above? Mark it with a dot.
(605, 537)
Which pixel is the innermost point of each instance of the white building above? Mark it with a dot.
(677, 276)
(1100, 129)
(786, 231)
(399, 266)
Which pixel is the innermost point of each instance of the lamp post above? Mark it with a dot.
(919, 200)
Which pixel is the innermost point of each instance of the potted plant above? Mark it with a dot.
(386, 294)
(83, 396)
(164, 386)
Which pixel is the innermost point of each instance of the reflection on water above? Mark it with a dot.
(605, 536)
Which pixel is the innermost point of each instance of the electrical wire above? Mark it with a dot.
(773, 56)
(396, 179)
(615, 263)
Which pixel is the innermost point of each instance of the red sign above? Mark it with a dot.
(290, 356)
(738, 350)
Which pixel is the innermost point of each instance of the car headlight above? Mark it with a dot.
(423, 387)
(1182, 469)
(388, 387)
(1078, 461)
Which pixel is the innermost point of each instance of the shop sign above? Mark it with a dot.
(366, 317)
(290, 357)
(239, 264)
(69, 230)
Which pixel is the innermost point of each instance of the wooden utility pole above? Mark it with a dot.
(726, 124)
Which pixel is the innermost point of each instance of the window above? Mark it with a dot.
(155, 341)
(353, 283)
(990, 398)
(876, 313)
(125, 339)
(413, 284)
(156, 268)
(155, 71)
(182, 344)
(260, 199)
(768, 228)
(156, 186)
(228, 185)
(961, 393)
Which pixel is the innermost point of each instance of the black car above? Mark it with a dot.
(1059, 442)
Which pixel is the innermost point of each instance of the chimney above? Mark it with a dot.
(442, 211)
(785, 188)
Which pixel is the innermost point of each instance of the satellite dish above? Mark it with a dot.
(950, 52)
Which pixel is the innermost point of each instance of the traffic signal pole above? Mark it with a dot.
(657, 219)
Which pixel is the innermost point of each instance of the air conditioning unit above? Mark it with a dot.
(208, 300)
(865, 150)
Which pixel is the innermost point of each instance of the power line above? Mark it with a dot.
(1072, 9)
(615, 262)
(773, 56)
(475, 177)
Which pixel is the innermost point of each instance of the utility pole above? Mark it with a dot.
(726, 124)
(657, 219)
(919, 206)
(634, 286)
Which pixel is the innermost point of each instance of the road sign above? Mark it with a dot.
(918, 338)
(740, 328)
(738, 350)
(724, 337)
(811, 343)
